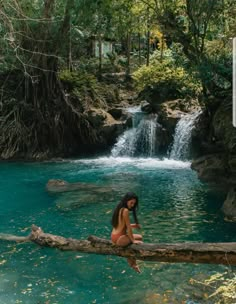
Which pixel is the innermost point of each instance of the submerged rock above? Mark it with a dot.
(58, 185)
(73, 200)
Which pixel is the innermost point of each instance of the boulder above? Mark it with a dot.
(107, 127)
(110, 132)
(170, 112)
(97, 117)
(146, 106)
(224, 130)
(215, 138)
(168, 116)
(111, 129)
(211, 168)
(183, 105)
(229, 206)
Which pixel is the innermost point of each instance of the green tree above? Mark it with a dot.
(35, 109)
(194, 25)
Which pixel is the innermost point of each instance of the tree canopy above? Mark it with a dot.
(41, 40)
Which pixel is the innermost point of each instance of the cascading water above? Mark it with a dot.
(183, 131)
(141, 139)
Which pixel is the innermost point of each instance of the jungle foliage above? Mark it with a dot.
(166, 80)
(201, 44)
(49, 76)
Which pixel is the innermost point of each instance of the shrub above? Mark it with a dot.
(166, 79)
(216, 70)
(86, 89)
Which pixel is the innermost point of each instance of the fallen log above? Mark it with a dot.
(189, 252)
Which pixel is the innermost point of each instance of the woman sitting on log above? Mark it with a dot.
(122, 234)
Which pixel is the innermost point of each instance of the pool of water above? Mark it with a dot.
(174, 207)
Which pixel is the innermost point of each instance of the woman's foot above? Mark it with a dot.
(136, 268)
(132, 263)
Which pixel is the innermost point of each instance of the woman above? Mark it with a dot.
(122, 234)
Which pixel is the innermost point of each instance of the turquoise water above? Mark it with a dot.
(174, 207)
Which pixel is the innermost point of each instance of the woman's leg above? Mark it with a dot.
(138, 237)
(123, 241)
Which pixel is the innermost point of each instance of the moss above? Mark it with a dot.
(87, 89)
(78, 79)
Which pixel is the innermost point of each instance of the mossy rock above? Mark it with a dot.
(223, 127)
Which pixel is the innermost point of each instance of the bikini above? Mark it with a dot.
(116, 236)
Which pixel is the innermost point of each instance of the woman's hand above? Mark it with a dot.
(137, 242)
(138, 226)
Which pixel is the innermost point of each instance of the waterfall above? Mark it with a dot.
(182, 138)
(140, 140)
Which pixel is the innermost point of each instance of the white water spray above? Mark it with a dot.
(141, 139)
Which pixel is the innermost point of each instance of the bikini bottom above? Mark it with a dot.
(116, 236)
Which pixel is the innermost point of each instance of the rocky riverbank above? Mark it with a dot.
(89, 121)
(215, 142)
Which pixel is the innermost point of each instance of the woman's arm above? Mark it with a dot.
(135, 226)
(128, 225)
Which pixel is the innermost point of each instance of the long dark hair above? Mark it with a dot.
(123, 204)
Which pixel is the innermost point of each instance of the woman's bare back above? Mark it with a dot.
(121, 228)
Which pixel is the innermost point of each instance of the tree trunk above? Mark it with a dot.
(162, 48)
(70, 67)
(139, 49)
(148, 38)
(207, 253)
(100, 54)
(128, 53)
